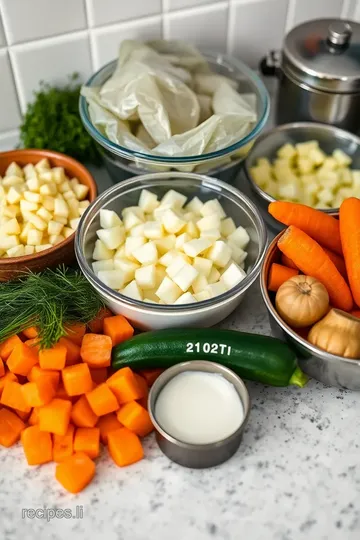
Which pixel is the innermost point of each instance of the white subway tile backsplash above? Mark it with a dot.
(2, 34)
(170, 5)
(9, 140)
(10, 113)
(106, 41)
(205, 27)
(257, 27)
(51, 60)
(33, 19)
(315, 9)
(103, 12)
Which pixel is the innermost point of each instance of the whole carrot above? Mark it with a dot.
(319, 226)
(350, 240)
(312, 260)
(337, 260)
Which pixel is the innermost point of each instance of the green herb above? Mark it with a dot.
(53, 122)
(47, 300)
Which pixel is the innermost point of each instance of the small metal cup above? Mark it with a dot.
(198, 456)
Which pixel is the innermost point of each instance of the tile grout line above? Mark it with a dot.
(89, 24)
(230, 38)
(290, 15)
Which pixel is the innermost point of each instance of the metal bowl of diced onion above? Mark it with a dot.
(156, 201)
(309, 163)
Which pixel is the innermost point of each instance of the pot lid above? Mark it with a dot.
(324, 54)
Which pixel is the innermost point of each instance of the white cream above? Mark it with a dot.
(199, 407)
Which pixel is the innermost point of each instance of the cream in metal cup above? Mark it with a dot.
(198, 456)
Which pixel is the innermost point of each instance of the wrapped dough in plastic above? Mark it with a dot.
(227, 100)
(208, 83)
(144, 136)
(181, 54)
(205, 103)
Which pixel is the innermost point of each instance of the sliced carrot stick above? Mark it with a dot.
(355, 313)
(278, 274)
(12, 396)
(150, 375)
(287, 262)
(75, 332)
(337, 260)
(99, 375)
(53, 358)
(38, 393)
(63, 445)
(7, 377)
(321, 227)
(312, 260)
(125, 386)
(50, 377)
(31, 332)
(118, 329)
(34, 344)
(55, 416)
(102, 400)
(134, 417)
(107, 423)
(75, 472)
(350, 240)
(34, 416)
(7, 346)
(77, 379)
(87, 440)
(124, 447)
(72, 351)
(2, 368)
(22, 359)
(37, 445)
(96, 350)
(82, 414)
(11, 427)
(96, 326)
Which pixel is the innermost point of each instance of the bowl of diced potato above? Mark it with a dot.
(313, 164)
(171, 249)
(42, 197)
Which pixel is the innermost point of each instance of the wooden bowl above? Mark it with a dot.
(63, 252)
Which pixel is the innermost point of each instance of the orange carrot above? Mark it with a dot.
(75, 472)
(125, 386)
(150, 375)
(350, 240)
(321, 227)
(55, 416)
(72, 351)
(107, 423)
(278, 274)
(11, 427)
(337, 260)
(143, 385)
(124, 447)
(2, 368)
(82, 414)
(77, 379)
(63, 445)
(7, 346)
(134, 417)
(62, 394)
(287, 262)
(38, 393)
(102, 400)
(53, 358)
(22, 359)
(96, 350)
(87, 440)
(96, 326)
(34, 416)
(50, 377)
(75, 332)
(12, 396)
(31, 332)
(34, 344)
(23, 415)
(7, 377)
(355, 313)
(37, 445)
(312, 260)
(118, 329)
(99, 375)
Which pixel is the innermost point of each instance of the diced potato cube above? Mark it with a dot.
(150, 296)
(272, 189)
(49, 203)
(203, 266)
(58, 175)
(175, 266)
(11, 211)
(287, 151)
(131, 220)
(342, 158)
(196, 246)
(138, 230)
(172, 221)
(107, 264)
(132, 290)
(8, 241)
(127, 267)
(42, 247)
(199, 284)
(33, 183)
(304, 148)
(12, 181)
(132, 243)
(134, 210)
(146, 254)
(46, 177)
(60, 219)
(219, 253)
(237, 254)
(325, 196)
(13, 196)
(14, 170)
(67, 231)
(48, 189)
(61, 208)
(211, 234)
(185, 277)
(166, 243)
(54, 227)
(212, 207)
(227, 226)
(56, 239)
(305, 165)
(26, 206)
(261, 176)
(73, 207)
(168, 291)
(108, 219)
(74, 223)
(329, 164)
(289, 192)
(181, 239)
(214, 275)
(148, 201)
(146, 277)
(29, 171)
(112, 278)
(264, 162)
(44, 214)
(112, 238)
(86, 203)
(29, 250)
(345, 176)
(211, 221)
(38, 223)
(232, 276)
(160, 211)
(153, 230)
(81, 191)
(11, 227)
(192, 230)
(42, 164)
(74, 182)
(24, 233)
(190, 216)
(160, 274)
(34, 237)
(186, 298)
(328, 179)
(239, 237)
(16, 251)
(202, 295)
(215, 289)
(195, 205)
(64, 186)
(174, 199)
(101, 252)
(317, 156)
(32, 197)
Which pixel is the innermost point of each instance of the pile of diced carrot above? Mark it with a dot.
(62, 402)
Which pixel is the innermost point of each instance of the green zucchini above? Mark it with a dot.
(251, 356)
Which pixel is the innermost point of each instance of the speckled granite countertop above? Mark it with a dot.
(296, 476)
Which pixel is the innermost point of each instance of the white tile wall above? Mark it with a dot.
(50, 39)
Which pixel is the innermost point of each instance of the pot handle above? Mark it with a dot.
(270, 65)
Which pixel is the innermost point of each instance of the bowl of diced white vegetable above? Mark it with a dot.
(171, 249)
(313, 164)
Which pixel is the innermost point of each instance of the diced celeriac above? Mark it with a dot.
(172, 222)
(112, 238)
(227, 226)
(132, 243)
(112, 278)
(185, 277)
(101, 252)
(211, 221)
(168, 291)
(109, 219)
(146, 254)
(196, 246)
(153, 230)
(232, 276)
(195, 205)
(186, 298)
(214, 289)
(107, 264)
(203, 265)
(219, 253)
(173, 199)
(132, 290)
(199, 284)
(239, 237)
(148, 201)
(146, 277)
(212, 207)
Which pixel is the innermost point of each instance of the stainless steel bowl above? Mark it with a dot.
(152, 316)
(198, 456)
(328, 368)
(329, 138)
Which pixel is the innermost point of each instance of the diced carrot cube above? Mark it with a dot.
(125, 386)
(150, 375)
(31, 332)
(23, 415)
(34, 344)
(96, 326)
(99, 375)
(34, 416)
(62, 394)
(102, 400)
(48, 376)
(55, 416)
(87, 440)
(77, 379)
(96, 350)
(11, 427)
(124, 447)
(134, 417)
(2, 368)
(75, 472)
(63, 445)
(75, 332)
(7, 377)
(7, 346)
(118, 329)
(37, 445)
(53, 358)
(22, 359)
(72, 351)
(12, 396)
(107, 423)
(38, 393)
(82, 414)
